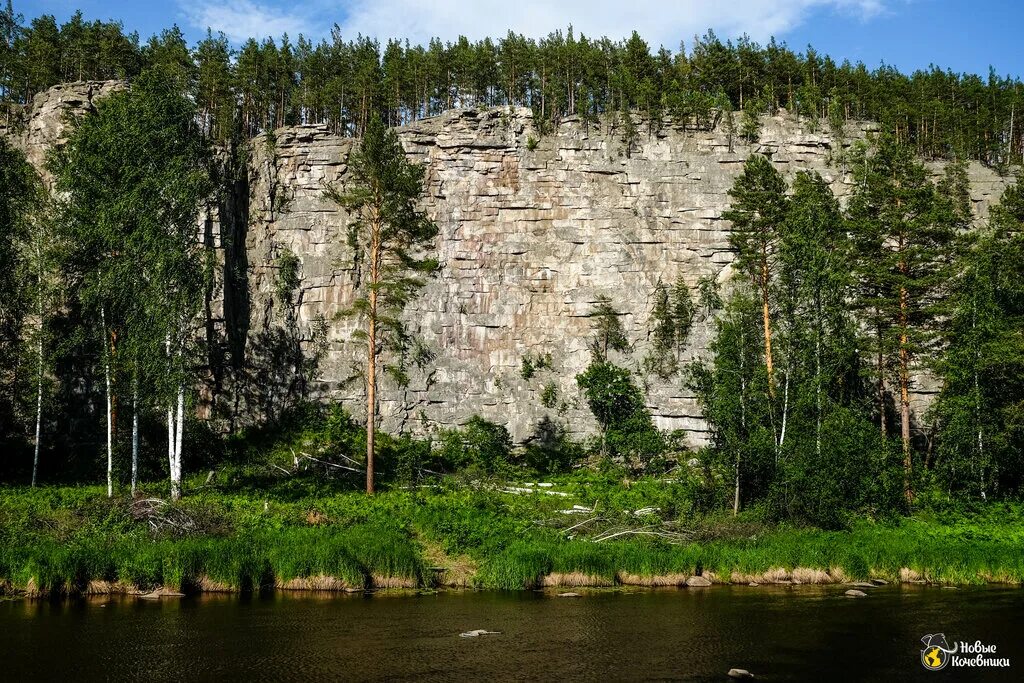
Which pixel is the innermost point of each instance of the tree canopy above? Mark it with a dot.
(342, 82)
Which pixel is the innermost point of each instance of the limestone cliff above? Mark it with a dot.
(533, 229)
(47, 120)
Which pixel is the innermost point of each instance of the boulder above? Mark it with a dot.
(854, 593)
(698, 581)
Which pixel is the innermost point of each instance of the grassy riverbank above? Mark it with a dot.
(582, 530)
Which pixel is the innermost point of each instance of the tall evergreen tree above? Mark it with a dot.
(661, 359)
(757, 211)
(903, 233)
(608, 332)
(387, 232)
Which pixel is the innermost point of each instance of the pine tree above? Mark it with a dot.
(661, 359)
(757, 211)
(682, 313)
(750, 126)
(386, 231)
(903, 233)
(608, 332)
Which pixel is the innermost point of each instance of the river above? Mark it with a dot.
(799, 633)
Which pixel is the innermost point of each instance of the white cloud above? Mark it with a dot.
(240, 20)
(660, 22)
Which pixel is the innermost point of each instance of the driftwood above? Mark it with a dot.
(331, 464)
(162, 516)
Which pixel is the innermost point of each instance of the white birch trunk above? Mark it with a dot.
(785, 415)
(110, 407)
(171, 431)
(39, 407)
(135, 431)
(39, 375)
(179, 428)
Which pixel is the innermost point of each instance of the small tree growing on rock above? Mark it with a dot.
(608, 332)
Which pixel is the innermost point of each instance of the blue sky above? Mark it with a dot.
(958, 34)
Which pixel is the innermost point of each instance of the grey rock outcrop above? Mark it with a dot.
(45, 123)
(532, 231)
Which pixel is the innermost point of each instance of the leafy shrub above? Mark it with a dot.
(549, 449)
(481, 443)
(549, 395)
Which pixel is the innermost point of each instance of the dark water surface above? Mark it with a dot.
(800, 633)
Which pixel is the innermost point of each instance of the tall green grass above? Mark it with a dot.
(60, 539)
(242, 562)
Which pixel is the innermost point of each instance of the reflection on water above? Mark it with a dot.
(778, 633)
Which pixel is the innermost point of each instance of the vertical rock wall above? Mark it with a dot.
(532, 231)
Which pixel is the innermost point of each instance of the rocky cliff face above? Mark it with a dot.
(532, 231)
(46, 121)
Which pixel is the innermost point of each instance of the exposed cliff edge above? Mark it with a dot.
(532, 231)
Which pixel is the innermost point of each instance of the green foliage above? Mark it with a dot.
(549, 395)
(611, 394)
(904, 235)
(272, 83)
(620, 410)
(388, 234)
(683, 311)
(531, 364)
(20, 199)
(709, 295)
(61, 538)
(661, 360)
(758, 208)
(630, 135)
(978, 413)
(481, 444)
(837, 128)
(287, 279)
(608, 332)
(550, 450)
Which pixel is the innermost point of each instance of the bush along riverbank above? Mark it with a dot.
(580, 530)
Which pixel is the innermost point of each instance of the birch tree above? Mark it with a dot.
(388, 233)
(132, 179)
(814, 274)
(20, 201)
(980, 449)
